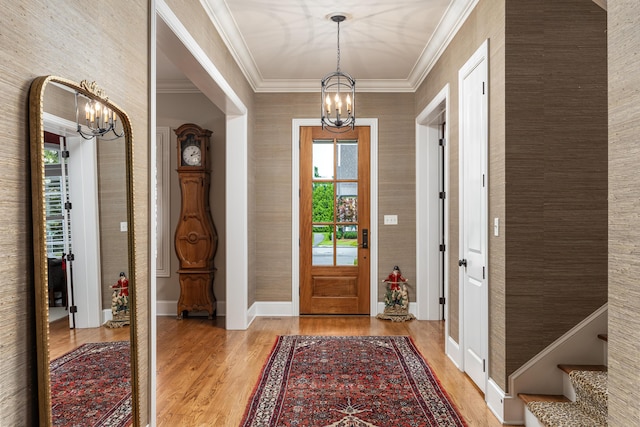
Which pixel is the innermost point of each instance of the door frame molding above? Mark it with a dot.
(479, 58)
(296, 124)
(427, 210)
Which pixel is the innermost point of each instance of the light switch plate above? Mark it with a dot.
(391, 220)
(123, 226)
(496, 226)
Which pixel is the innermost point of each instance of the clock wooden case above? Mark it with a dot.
(196, 239)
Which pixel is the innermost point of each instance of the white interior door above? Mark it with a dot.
(473, 214)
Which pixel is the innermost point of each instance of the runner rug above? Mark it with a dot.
(348, 381)
(91, 386)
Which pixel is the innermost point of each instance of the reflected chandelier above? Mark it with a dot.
(338, 95)
(99, 119)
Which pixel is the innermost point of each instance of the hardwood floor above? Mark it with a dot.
(62, 340)
(205, 374)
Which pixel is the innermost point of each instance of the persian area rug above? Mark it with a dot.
(348, 381)
(91, 386)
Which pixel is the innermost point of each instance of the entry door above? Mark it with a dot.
(334, 221)
(473, 196)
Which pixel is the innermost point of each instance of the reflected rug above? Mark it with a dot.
(91, 386)
(348, 381)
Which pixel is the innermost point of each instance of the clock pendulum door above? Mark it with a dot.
(196, 239)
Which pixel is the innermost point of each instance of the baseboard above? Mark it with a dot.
(273, 308)
(453, 351)
(106, 316)
(170, 308)
(506, 408)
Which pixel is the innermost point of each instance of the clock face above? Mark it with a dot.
(192, 156)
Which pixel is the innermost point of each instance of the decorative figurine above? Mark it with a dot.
(396, 299)
(120, 303)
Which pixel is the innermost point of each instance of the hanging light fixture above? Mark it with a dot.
(99, 120)
(338, 95)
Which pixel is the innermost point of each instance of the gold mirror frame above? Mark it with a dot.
(36, 124)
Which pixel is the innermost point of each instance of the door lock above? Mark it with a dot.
(462, 262)
(365, 238)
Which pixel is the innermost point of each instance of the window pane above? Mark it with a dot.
(322, 202)
(322, 245)
(347, 245)
(347, 160)
(347, 202)
(322, 159)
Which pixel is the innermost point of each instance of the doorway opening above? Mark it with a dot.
(432, 209)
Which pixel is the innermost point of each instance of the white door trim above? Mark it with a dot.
(295, 210)
(479, 58)
(427, 210)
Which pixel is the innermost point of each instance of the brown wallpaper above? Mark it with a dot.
(274, 113)
(41, 38)
(556, 171)
(485, 22)
(624, 205)
(112, 199)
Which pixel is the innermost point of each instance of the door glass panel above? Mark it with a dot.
(322, 159)
(347, 245)
(347, 202)
(347, 164)
(322, 202)
(322, 245)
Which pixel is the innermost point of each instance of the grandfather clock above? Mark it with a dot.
(196, 239)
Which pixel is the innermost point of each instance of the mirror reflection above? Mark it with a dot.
(83, 243)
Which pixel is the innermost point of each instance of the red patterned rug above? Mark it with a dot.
(91, 386)
(348, 381)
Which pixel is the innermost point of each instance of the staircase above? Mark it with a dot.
(584, 402)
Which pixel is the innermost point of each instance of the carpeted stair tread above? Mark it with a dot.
(568, 368)
(562, 414)
(526, 398)
(591, 392)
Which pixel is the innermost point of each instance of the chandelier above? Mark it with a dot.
(99, 120)
(338, 95)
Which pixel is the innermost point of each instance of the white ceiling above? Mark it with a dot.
(289, 45)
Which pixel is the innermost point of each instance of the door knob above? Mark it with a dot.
(462, 262)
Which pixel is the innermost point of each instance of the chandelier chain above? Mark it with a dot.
(338, 65)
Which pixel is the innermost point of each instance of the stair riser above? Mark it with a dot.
(530, 420)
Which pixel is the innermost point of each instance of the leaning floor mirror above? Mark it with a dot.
(84, 255)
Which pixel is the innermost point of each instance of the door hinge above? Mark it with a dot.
(483, 180)
(442, 142)
(484, 365)
(73, 309)
(483, 88)
(483, 273)
(442, 195)
(443, 248)
(64, 154)
(67, 206)
(442, 300)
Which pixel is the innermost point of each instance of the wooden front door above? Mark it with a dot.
(334, 221)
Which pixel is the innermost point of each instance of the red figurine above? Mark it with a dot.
(394, 277)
